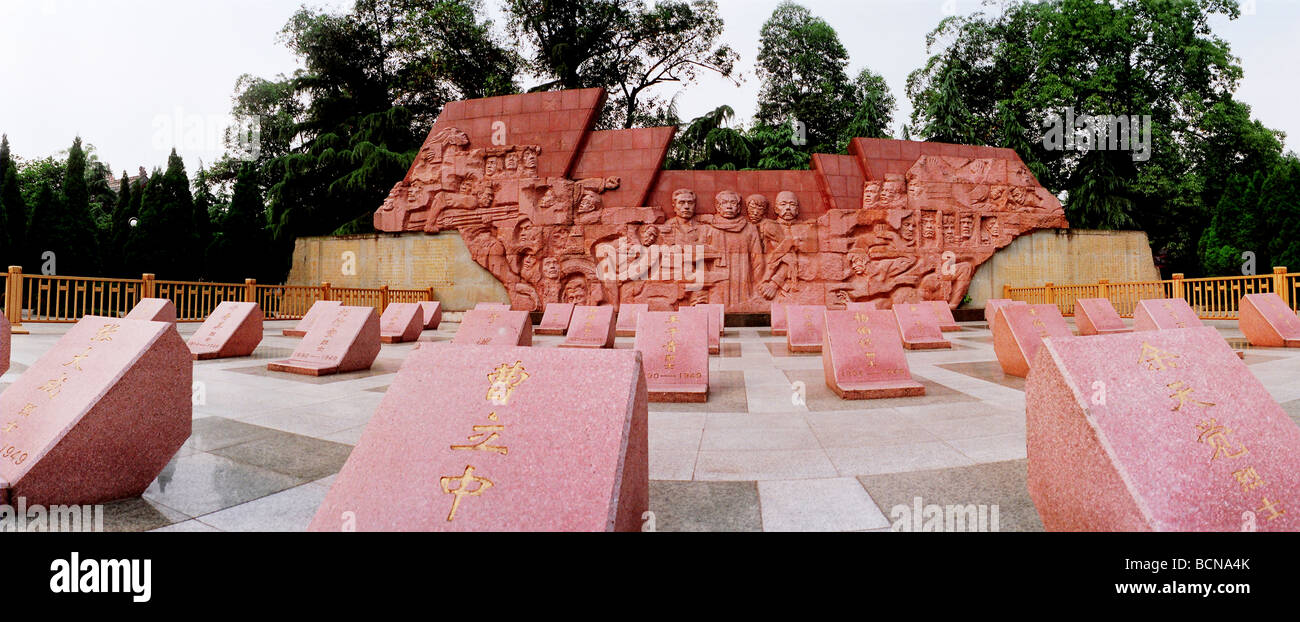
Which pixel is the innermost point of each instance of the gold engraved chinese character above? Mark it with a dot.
(9, 427)
(105, 332)
(492, 317)
(1248, 478)
(53, 387)
(1182, 393)
(1156, 359)
(1217, 436)
(860, 317)
(28, 409)
(864, 342)
(1271, 507)
(462, 489)
(672, 319)
(504, 380)
(863, 330)
(671, 346)
(871, 359)
(485, 434)
(76, 359)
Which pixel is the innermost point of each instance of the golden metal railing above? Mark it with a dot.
(1213, 298)
(41, 298)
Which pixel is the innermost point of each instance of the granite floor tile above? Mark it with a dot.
(189, 526)
(1000, 483)
(821, 398)
(989, 371)
(672, 464)
(139, 514)
(992, 448)
(764, 464)
(733, 439)
(839, 504)
(895, 458)
(202, 482)
(705, 506)
(217, 432)
(297, 456)
(289, 510)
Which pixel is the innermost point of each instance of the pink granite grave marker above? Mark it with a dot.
(719, 317)
(1096, 316)
(919, 327)
(153, 310)
(555, 321)
(1164, 314)
(319, 310)
(346, 340)
(401, 322)
(494, 327)
(6, 336)
(99, 415)
(233, 329)
(432, 313)
(627, 316)
(779, 324)
(498, 306)
(1018, 332)
(870, 305)
(590, 327)
(674, 348)
(1267, 321)
(943, 315)
(500, 439)
(1157, 431)
(807, 324)
(992, 305)
(863, 356)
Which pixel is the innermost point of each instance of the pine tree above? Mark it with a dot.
(948, 119)
(74, 232)
(1279, 205)
(1230, 233)
(119, 230)
(134, 246)
(203, 202)
(164, 239)
(238, 250)
(11, 196)
(43, 232)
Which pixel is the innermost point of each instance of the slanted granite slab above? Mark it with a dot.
(992, 305)
(943, 315)
(1157, 431)
(500, 439)
(807, 325)
(498, 306)
(919, 327)
(779, 324)
(1164, 314)
(319, 310)
(233, 329)
(863, 356)
(590, 327)
(870, 305)
(494, 327)
(99, 415)
(627, 316)
(1018, 332)
(720, 316)
(1097, 316)
(674, 347)
(555, 321)
(153, 310)
(6, 337)
(1267, 321)
(432, 312)
(401, 322)
(346, 340)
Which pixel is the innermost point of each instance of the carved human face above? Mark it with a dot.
(550, 201)
(512, 161)
(485, 196)
(907, 229)
(395, 196)
(927, 226)
(530, 159)
(575, 291)
(684, 205)
(649, 236)
(530, 237)
(915, 191)
(967, 223)
(493, 166)
(787, 206)
(993, 228)
(551, 268)
(891, 191)
(870, 194)
(590, 202)
(467, 186)
(756, 208)
(859, 264)
(1018, 195)
(727, 204)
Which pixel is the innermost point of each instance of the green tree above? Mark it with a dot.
(203, 203)
(626, 47)
(803, 67)
(15, 208)
(114, 248)
(238, 247)
(74, 233)
(875, 109)
(164, 240)
(6, 234)
(1279, 208)
(43, 232)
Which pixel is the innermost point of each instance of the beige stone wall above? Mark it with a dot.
(1065, 256)
(401, 261)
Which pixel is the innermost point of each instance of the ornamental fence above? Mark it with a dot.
(1213, 298)
(44, 298)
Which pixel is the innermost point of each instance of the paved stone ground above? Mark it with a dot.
(266, 446)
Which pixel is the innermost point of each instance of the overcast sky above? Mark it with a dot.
(136, 77)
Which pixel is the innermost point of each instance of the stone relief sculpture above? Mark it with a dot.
(917, 234)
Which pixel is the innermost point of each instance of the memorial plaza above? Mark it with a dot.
(772, 450)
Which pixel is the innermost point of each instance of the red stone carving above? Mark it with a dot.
(563, 214)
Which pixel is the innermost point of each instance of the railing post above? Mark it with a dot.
(1178, 285)
(1103, 289)
(14, 297)
(147, 285)
(1006, 290)
(325, 290)
(383, 298)
(250, 290)
(1047, 293)
(1279, 284)
(431, 298)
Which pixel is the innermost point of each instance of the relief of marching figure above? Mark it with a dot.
(917, 231)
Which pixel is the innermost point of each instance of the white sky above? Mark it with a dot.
(135, 77)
